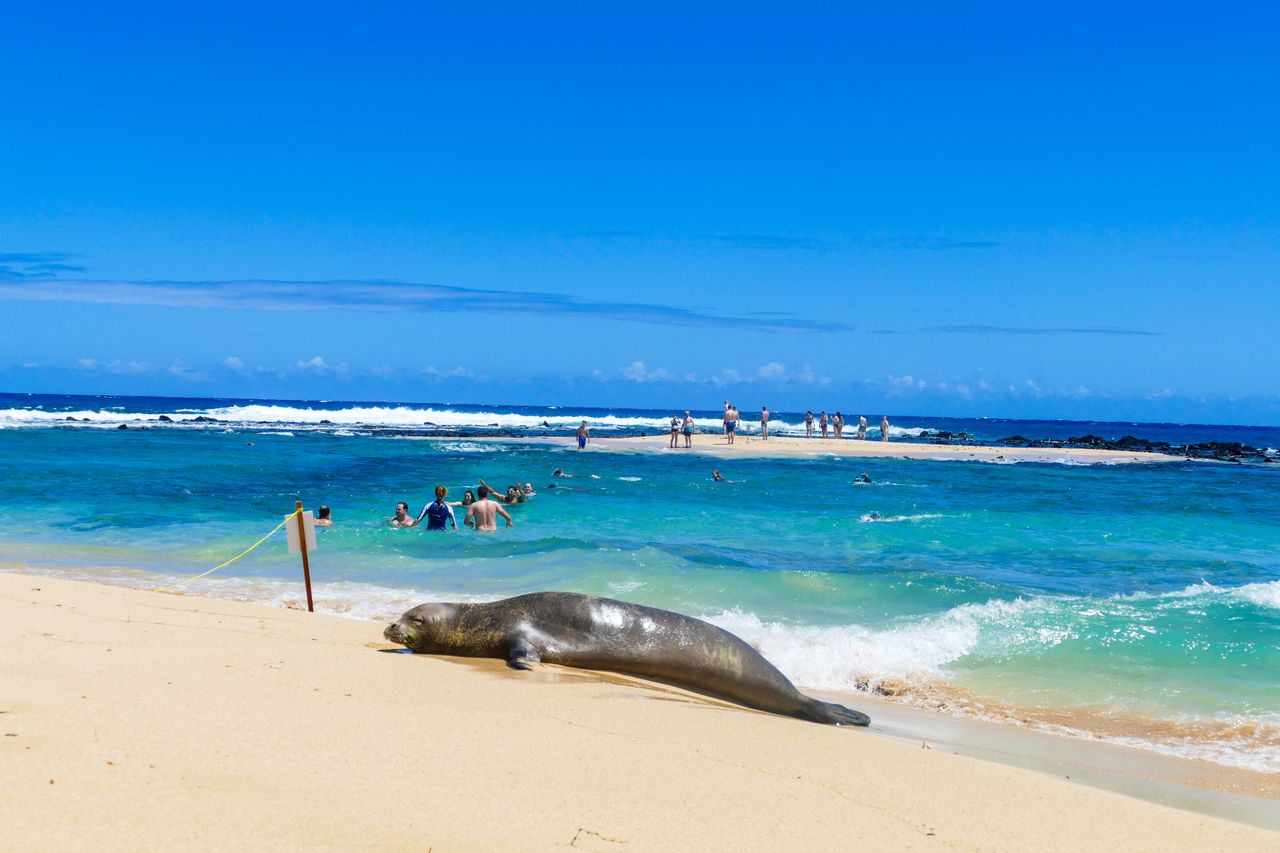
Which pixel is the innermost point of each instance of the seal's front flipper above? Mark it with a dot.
(522, 655)
(834, 715)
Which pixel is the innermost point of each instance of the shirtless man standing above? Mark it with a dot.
(483, 514)
(822, 422)
(764, 423)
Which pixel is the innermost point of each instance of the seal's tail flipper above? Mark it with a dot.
(522, 654)
(836, 715)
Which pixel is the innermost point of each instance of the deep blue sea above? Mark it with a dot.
(1139, 603)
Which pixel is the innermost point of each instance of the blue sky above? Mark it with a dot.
(989, 211)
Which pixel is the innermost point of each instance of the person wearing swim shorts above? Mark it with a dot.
(584, 433)
(688, 429)
(823, 423)
(764, 423)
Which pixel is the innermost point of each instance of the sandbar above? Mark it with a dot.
(780, 447)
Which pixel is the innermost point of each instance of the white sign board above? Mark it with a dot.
(308, 523)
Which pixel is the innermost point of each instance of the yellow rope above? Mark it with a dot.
(232, 560)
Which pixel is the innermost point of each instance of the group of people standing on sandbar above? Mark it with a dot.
(835, 423)
(829, 425)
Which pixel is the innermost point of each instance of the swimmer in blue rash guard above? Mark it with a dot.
(438, 513)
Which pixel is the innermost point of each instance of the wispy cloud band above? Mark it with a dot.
(25, 266)
(387, 297)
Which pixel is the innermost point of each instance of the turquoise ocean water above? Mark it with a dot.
(1139, 603)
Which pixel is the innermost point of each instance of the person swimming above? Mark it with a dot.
(401, 518)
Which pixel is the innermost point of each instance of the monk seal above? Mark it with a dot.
(570, 629)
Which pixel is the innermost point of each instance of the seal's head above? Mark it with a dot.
(421, 627)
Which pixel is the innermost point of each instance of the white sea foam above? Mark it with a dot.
(468, 447)
(383, 417)
(1257, 752)
(841, 657)
(1262, 594)
(893, 519)
(344, 598)
(356, 416)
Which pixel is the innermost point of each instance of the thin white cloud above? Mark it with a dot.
(433, 372)
(637, 372)
(180, 370)
(771, 371)
(118, 366)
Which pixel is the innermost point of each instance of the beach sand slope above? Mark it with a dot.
(135, 720)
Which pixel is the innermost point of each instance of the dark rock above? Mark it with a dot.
(165, 419)
(123, 426)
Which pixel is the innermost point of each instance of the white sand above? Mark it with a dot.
(135, 720)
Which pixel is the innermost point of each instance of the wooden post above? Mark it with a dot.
(306, 566)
